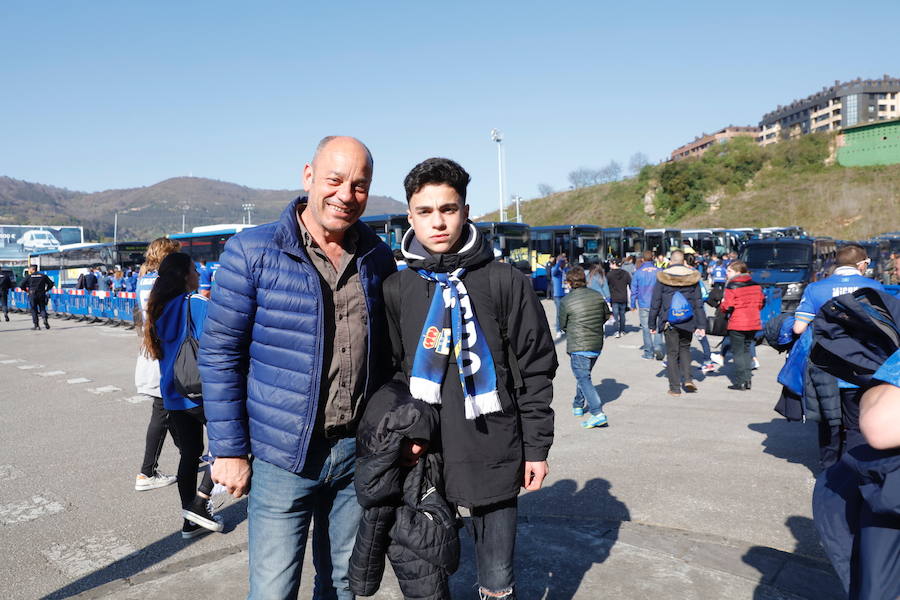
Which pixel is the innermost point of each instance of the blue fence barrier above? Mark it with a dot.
(113, 309)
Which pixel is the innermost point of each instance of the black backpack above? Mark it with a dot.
(187, 373)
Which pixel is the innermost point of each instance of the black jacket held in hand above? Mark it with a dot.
(484, 458)
(405, 517)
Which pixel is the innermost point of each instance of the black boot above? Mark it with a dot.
(747, 385)
(46, 324)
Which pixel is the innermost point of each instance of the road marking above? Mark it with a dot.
(28, 510)
(51, 373)
(10, 472)
(137, 399)
(11, 361)
(29, 367)
(88, 554)
(630, 347)
(78, 380)
(104, 389)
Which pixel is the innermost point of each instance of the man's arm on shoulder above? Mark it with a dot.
(224, 353)
(530, 338)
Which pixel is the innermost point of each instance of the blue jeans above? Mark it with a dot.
(556, 301)
(618, 310)
(585, 391)
(282, 505)
(493, 529)
(652, 343)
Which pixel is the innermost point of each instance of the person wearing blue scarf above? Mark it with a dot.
(471, 338)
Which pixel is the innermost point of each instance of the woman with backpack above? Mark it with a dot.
(744, 297)
(173, 315)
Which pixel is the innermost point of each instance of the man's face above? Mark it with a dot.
(33, 269)
(337, 183)
(438, 216)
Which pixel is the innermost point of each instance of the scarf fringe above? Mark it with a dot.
(424, 389)
(482, 404)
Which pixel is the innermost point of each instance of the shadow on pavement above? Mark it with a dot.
(147, 556)
(794, 442)
(562, 533)
(610, 390)
(795, 573)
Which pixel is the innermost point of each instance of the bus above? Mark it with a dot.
(777, 232)
(581, 243)
(789, 264)
(619, 242)
(511, 240)
(661, 241)
(703, 240)
(207, 242)
(65, 265)
(389, 227)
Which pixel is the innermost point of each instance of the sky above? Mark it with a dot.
(101, 95)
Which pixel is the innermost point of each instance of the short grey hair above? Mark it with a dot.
(330, 138)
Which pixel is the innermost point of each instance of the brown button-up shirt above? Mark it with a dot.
(345, 334)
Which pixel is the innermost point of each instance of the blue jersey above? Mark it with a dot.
(144, 286)
(845, 280)
(206, 276)
(718, 273)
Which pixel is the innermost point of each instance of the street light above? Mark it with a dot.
(248, 208)
(497, 136)
(184, 209)
(518, 199)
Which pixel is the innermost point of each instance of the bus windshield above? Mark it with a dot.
(788, 256)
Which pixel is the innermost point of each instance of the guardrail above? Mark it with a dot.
(110, 308)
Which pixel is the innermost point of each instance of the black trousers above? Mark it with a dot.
(189, 425)
(678, 356)
(38, 307)
(743, 360)
(156, 436)
(4, 303)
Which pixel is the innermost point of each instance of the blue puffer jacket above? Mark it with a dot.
(261, 351)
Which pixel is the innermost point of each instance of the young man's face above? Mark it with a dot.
(438, 216)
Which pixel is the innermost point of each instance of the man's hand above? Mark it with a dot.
(233, 473)
(411, 451)
(701, 333)
(535, 472)
(653, 331)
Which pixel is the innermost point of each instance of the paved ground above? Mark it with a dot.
(703, 496)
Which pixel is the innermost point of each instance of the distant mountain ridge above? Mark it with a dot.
(151, 211)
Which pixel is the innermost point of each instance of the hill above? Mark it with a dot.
(148, 212)
(739, 184)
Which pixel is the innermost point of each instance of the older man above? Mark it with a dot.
(294, 343)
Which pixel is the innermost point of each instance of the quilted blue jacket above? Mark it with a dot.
(261, 350)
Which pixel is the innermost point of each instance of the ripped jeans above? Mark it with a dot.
(493, 529)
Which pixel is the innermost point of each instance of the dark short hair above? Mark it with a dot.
(437, 171)
(575, 277)
(648, 256)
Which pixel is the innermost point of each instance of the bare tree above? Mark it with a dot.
(638, 161)
(545, 189)
(582, 177)
(612, 171)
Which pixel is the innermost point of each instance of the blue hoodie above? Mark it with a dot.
(171, 327)
(642, 286)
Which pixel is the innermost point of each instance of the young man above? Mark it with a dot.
(38, 286)
(684, 280)
(472, 339)
(642, 285)
(619, 281)
(557, 275)
(583, 314)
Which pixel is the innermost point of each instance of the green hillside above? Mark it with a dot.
(739, 184)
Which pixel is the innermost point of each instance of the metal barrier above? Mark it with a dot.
(116, 309)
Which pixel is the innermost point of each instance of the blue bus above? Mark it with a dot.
(789, 264)
(65, 265)
(389, 227)
(661, 241)
(207, 242)
(619, 242)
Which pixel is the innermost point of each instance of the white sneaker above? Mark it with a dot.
(755, 364)
(143, 483)
(717, 358)
(559, 335)
(618, 334)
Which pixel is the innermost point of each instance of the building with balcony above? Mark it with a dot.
(833, 108)
(703, 142)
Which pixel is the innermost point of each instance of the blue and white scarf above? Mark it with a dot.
(451, 326)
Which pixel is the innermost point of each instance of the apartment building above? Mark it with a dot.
(844, 104)
(703, 142)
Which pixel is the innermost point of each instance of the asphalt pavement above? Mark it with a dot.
(702, 496)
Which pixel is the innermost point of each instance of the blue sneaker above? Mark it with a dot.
(596, 421)
(578, 412)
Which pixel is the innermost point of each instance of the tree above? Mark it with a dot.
(612, 171)
(545, 189)
(582, 177)
(638, 161)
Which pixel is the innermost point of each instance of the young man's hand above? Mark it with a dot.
(233, 473)
(411, 451)
(535, 472)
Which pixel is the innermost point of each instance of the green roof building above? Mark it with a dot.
(876, 143)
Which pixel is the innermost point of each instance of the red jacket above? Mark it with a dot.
(746, 298)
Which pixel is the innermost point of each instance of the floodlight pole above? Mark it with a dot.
(497, 136)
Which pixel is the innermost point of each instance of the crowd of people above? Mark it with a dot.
(379, 404)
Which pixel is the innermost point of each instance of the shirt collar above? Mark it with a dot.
(349, 242)
(846, 270)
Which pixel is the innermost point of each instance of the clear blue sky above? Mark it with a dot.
(98, 95)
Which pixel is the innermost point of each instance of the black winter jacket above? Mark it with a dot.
(484, 458)
(677, 278)
(405, 516)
